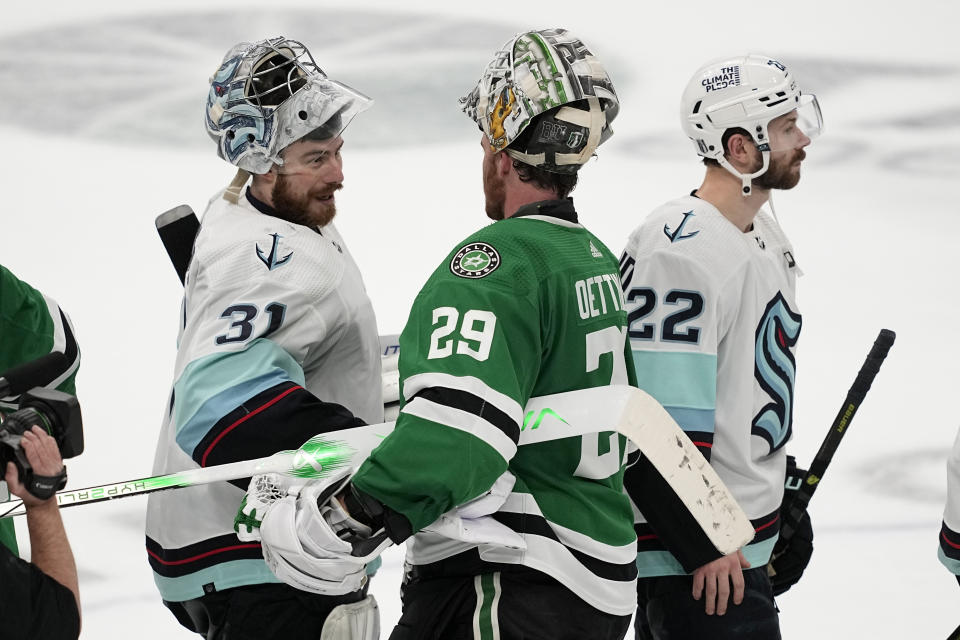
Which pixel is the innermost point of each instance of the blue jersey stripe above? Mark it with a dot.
(692, 419)
(683, 380)
(213, 386)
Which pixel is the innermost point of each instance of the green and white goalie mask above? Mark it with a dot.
(746, 92)
(269, 94)
(549, 80)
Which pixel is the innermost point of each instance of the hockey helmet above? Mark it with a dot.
(269, 94)
(550, 81)
(744, 92)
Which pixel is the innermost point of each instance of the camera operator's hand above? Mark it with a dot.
(44, 456)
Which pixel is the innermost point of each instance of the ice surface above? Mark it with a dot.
(101, 132)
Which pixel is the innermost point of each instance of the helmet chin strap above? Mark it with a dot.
(232, 193)
(746, 180)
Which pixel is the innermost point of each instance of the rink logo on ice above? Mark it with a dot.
(776, 371)
(475, 260)
(726, 77)
(271, 260)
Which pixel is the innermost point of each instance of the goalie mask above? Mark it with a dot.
(546, 100)
(746, 93)
(269, 94)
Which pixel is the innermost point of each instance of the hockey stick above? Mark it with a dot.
(587, 412)
(178, 229)
(955, 635)
(858, 390)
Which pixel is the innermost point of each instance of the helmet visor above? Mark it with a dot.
(798, 127)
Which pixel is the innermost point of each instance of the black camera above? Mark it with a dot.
(55, 412)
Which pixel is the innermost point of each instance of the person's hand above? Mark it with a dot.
(714, 580)
(44, 457)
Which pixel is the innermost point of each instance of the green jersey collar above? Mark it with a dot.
(562, 209)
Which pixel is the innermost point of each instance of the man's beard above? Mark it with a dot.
(781, 174)
(295, 208)
(493, 189)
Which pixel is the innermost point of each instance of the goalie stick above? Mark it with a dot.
(178, 229)
(858, 390)
(619, 408)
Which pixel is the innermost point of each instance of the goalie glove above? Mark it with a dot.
(263, 491)
(311, 543)
(787, 565)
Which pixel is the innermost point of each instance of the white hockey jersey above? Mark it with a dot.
(949, 551)
(272, 310)
(713, 329)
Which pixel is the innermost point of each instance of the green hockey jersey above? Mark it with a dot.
(31, 326)
(528, 306)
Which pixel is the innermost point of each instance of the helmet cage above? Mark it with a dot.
(536, 77)
(269, 94)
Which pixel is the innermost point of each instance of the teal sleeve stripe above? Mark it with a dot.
(213, 386)
(693, 419)
(662, 563)
(651, 564)
(952, 565)
(236, 573)
(678, 379)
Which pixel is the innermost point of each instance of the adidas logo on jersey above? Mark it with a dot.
(594, 251)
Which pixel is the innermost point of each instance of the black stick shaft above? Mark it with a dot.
(858, 390)
(178, 229)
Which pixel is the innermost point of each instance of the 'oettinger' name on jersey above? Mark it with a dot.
(599, 295)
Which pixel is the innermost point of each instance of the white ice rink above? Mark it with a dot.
(100, 130)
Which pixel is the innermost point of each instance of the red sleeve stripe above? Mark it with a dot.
(768, 523)
(253, 545)
(263, 407)
(948, 541)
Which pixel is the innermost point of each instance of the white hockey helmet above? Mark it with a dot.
(745, 92)
(269, 94)
(548, 78)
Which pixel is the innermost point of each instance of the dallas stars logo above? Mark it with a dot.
(475, 260)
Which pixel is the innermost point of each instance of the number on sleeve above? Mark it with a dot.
(242, 324)
(690, 305)
(242, 318)
(483, 336)
(438, 350)
(471, 335)
(693, 309)
(644, 331)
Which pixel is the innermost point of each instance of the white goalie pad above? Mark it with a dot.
(355, 621)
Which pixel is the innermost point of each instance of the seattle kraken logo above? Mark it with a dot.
(776, 370)
(678, 234)
(271, 260)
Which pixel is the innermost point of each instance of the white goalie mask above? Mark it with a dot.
(744, 92)
(549, 80)
(269, 94)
